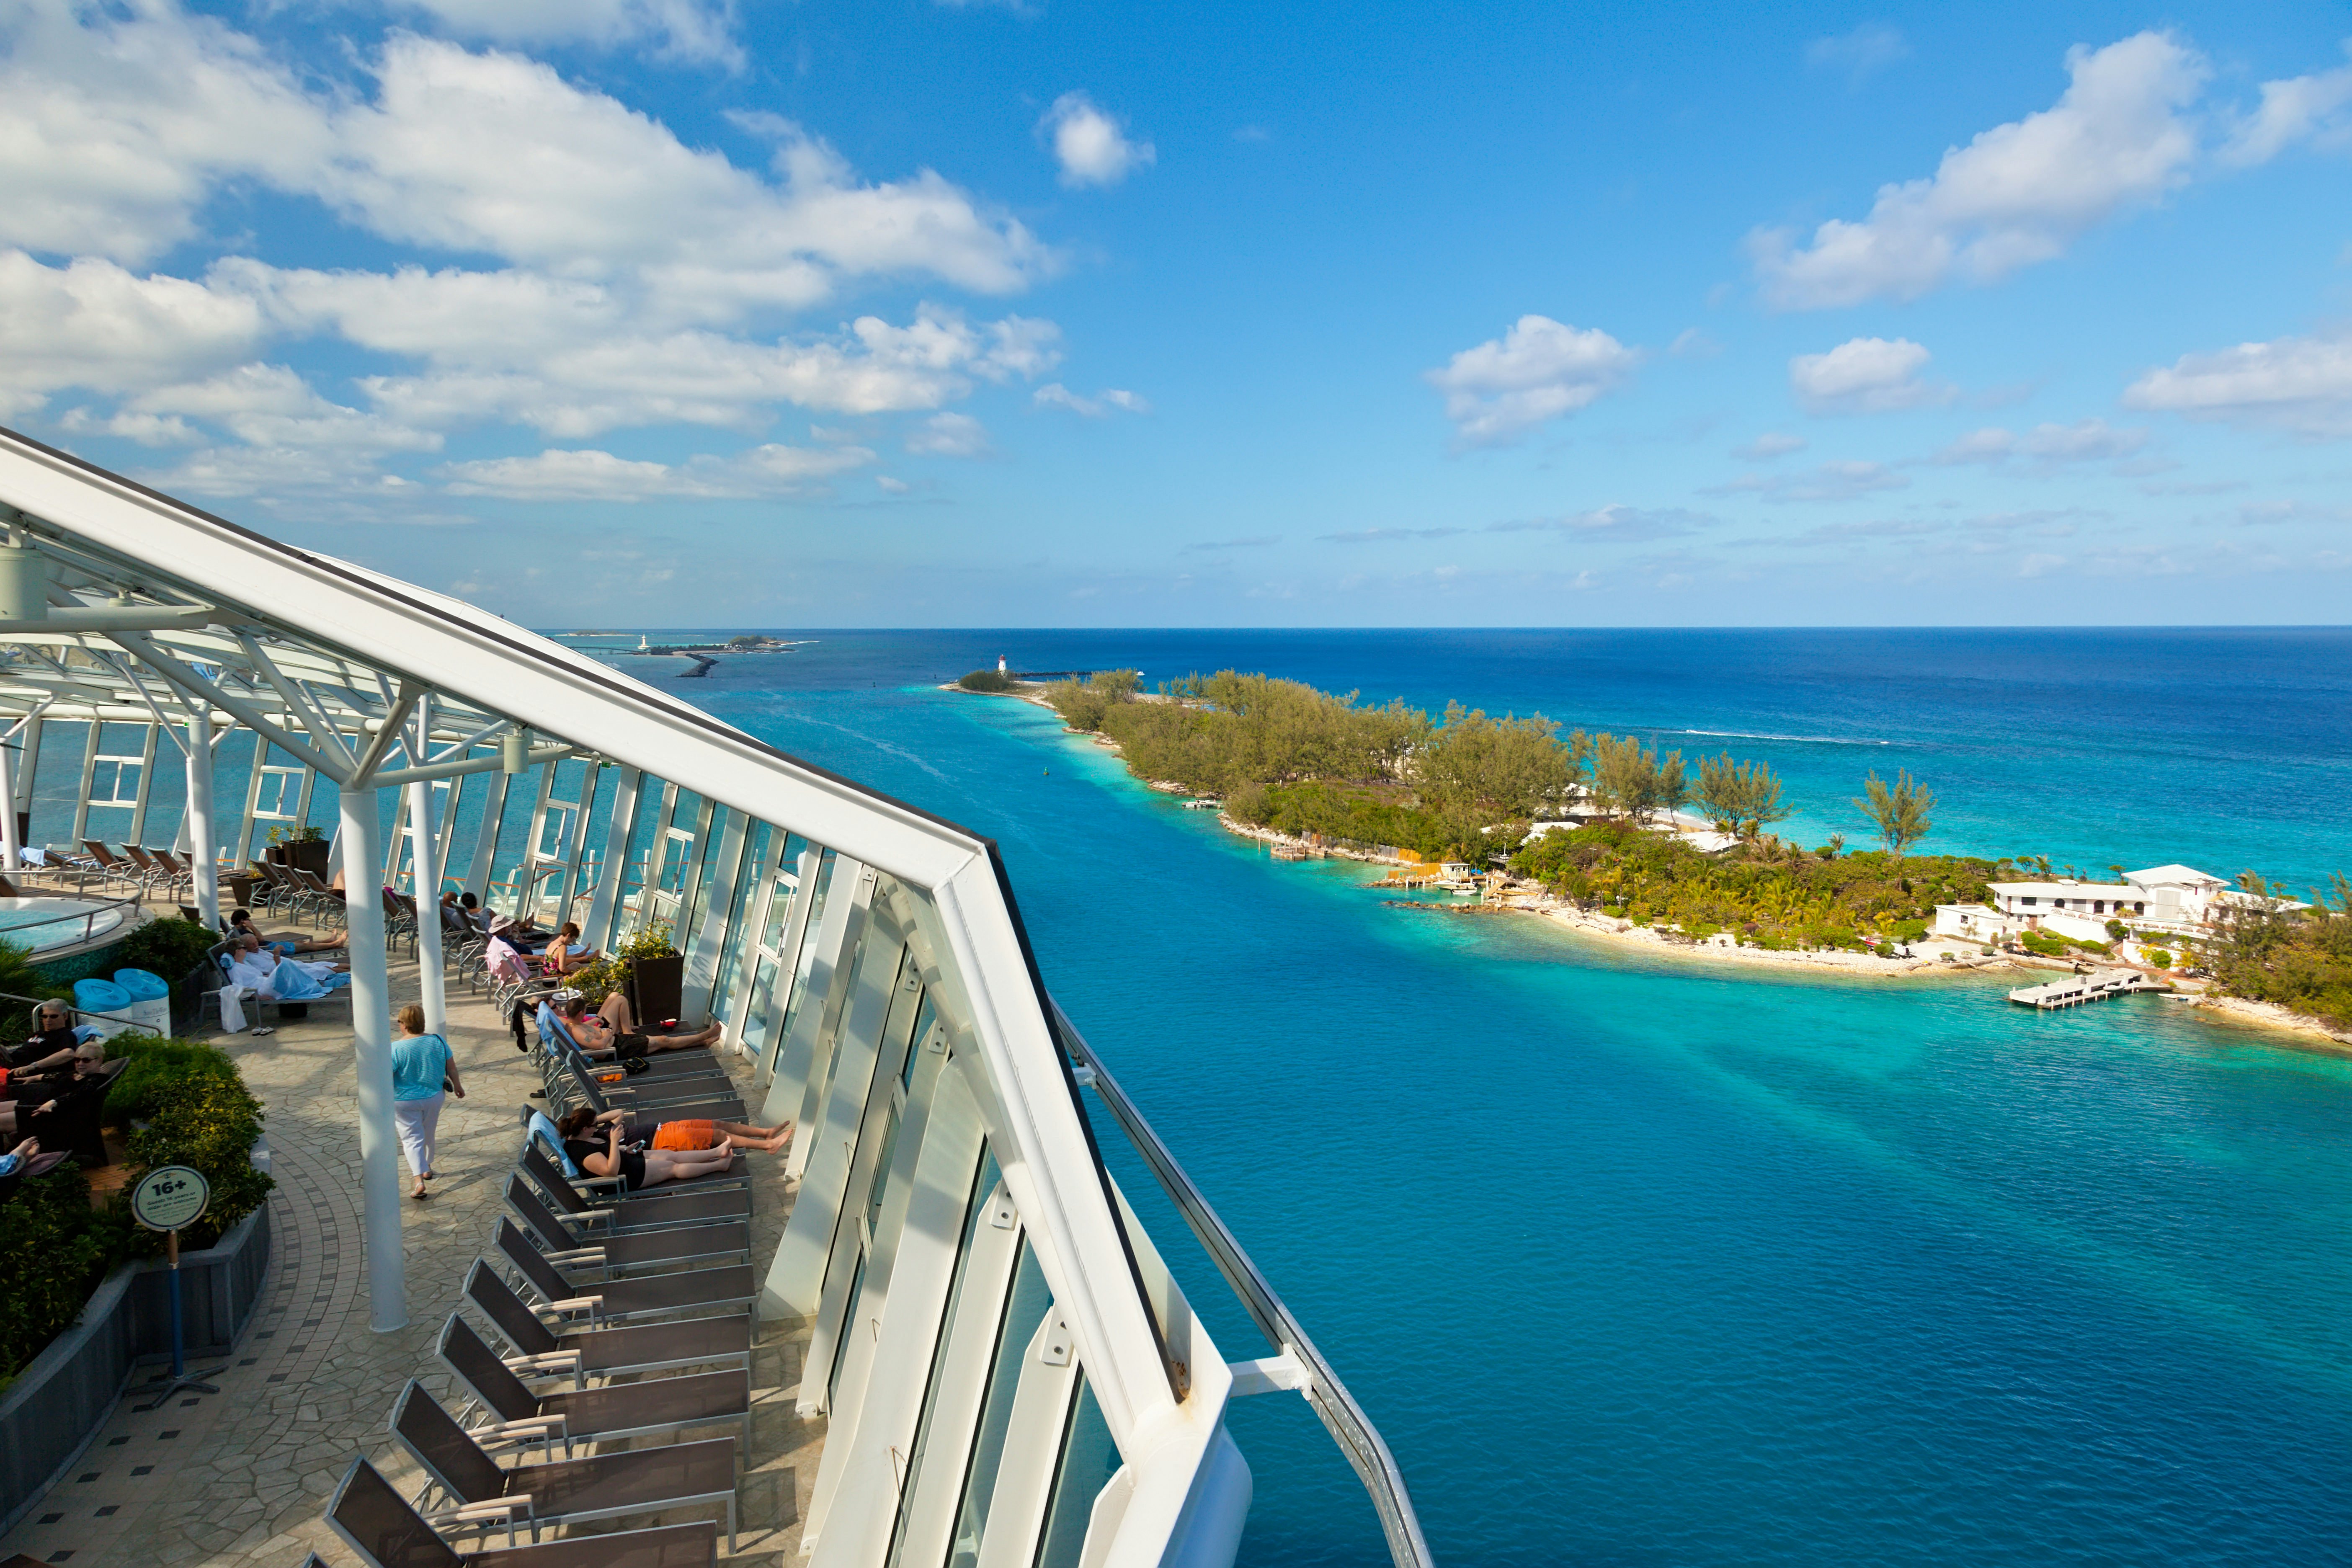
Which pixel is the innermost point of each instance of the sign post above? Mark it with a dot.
(170, 1198)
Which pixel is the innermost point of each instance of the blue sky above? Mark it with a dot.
(660, 311)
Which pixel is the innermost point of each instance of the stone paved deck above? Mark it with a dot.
(243, 1477)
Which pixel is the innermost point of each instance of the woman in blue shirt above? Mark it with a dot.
(424, 1075)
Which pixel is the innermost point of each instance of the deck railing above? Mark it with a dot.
(1350, 1427)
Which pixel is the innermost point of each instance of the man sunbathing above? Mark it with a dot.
(285, 943)
(614, 1026)
(689, 1136)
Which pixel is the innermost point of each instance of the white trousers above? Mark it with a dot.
(416, 1119)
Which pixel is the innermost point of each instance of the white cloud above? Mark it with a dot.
(114, 128)
(1614, 524)
(2040, 565)
(583, 185)
(1092, 147)
(1864, 375)
(1770, 445)
(684, 29)
(2298, 384)
(1860, 54)
(2317, 108)
(2047, 446)
(95, 326)
(1840, 480)
(1537, 371)
(1054, 395)
(948, 435)
(633, 280)
(2119, 138)
(592, 475)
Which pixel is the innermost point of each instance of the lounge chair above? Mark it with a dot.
(604, 1353)
(329, 900)
(376, 1521)
(618, 1410)
(625, 1300)
(698, 1244)
(609, 1486)
(112, 868)
(657, 1101)
(182, 872)
(680, 1061)
(158, 876)
(72, 1127)
(663, 1207)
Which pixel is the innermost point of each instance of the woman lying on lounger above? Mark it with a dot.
(680, 1152)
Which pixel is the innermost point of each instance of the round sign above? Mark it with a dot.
(170, 1197)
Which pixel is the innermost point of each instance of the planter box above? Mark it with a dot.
(657, 989)
(56, 1406)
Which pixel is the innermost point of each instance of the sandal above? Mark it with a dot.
(263, 1029)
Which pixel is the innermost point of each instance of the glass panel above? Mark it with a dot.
(1024, 1309)
(755, 1018)
(874, 1191)
(984, 1183)
(924, 1017)
(1089, 1460)
(840, 1341)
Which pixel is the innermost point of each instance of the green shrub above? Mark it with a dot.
(210, 1123)
(156, 1063)
(167, 949)
(53, 1251)
(2117, 930)
(2159, 959)
(985, 680)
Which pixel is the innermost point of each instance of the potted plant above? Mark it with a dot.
(657, 975)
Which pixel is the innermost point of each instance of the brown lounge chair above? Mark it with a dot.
(593, 1414)
(608, 1486)
(376, 1521)
(622, 1300)
(623, 1214)
(639, 1249)
(115, 869)
(603, 1352)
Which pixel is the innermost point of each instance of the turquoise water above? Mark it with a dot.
(1636, 1260)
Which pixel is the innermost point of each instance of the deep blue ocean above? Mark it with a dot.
(1636, 1261)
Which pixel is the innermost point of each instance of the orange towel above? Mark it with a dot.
(686, 1135)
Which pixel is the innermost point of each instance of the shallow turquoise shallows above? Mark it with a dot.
(1638, 1261)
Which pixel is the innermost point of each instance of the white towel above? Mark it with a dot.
(232, 1011)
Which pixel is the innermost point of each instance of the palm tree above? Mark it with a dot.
(1901, 812)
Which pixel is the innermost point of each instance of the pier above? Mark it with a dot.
(2096, 986)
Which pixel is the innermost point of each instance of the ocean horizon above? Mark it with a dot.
(1634, 1259)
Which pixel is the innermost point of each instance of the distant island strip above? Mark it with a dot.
(1610, 837)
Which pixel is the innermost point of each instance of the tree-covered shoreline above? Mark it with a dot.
(1285, 757)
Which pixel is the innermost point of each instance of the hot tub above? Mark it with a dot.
(44, 925)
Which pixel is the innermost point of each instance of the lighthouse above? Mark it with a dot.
(999, 665)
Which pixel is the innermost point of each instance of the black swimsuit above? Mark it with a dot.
(632, 1162)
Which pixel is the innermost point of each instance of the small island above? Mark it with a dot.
(1616, 839)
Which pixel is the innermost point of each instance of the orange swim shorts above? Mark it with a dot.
(686, 1135)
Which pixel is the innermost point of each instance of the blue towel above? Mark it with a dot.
(544, 1130)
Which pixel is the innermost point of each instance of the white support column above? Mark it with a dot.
(372, 1048)
(9, 847)
(703, 958)
(200, 817)
(605, 902)
(425, 879)
(88, 766)
(146, 780)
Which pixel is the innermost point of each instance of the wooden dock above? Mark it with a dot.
(2096, 986)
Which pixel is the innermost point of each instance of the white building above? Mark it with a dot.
(2176, 895)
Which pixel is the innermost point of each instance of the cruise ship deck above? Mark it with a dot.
(968, 1350)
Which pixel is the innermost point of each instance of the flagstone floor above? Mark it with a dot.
(243, 1476)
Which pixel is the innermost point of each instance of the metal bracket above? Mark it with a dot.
(1284, 1373)
(1056, 1350)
